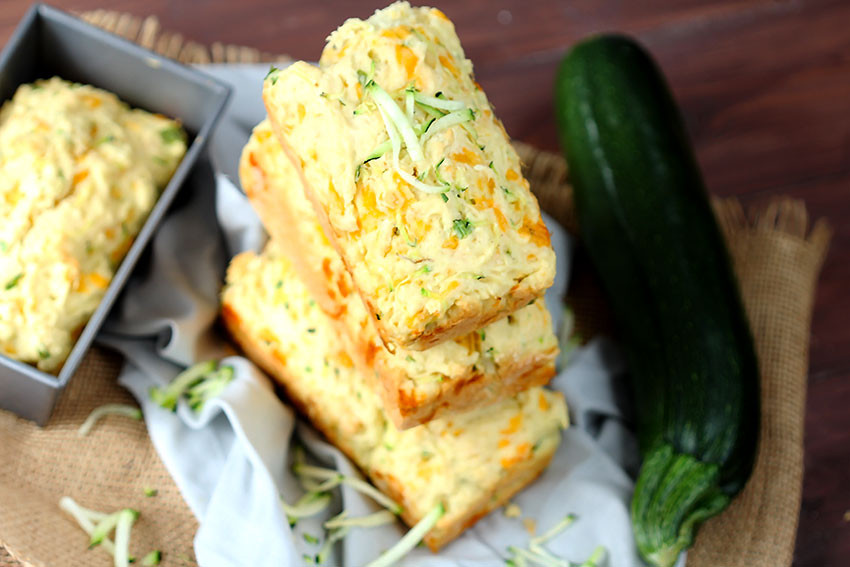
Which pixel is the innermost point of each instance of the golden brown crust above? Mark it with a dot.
(521, 475)
(275, 366)
(281, 224)
(324, 221)
(517, 477)
(473, 389)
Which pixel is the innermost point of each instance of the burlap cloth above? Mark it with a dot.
(777, 259)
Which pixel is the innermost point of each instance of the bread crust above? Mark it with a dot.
(521, 476)
(473, 389)
(280, 222)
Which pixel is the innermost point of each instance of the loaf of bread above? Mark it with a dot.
(471, 463)
(401, 156)
(495, 362)
(79, 173)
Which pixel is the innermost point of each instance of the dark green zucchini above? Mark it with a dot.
(647, 224)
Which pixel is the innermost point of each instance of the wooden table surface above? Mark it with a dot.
(765, 89)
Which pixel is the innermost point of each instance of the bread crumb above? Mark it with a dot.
(513, 511)
(530, 525)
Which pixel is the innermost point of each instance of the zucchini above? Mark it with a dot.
(647, 224)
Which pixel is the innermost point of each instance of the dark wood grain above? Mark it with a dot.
(765, 89)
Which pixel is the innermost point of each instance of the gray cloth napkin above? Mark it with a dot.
(231, 460)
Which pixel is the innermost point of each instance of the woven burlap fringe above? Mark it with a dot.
(147, 33)
(777, 259)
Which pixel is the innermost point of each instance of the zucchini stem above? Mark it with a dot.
(674, 494)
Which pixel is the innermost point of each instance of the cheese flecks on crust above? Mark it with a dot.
(480, 234)
(79, 173)
(479, 368)
(472, 462)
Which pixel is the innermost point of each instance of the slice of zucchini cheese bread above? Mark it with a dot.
(477, 369)
(400, 153)
(471, 463)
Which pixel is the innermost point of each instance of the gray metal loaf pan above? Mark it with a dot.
(47, 43)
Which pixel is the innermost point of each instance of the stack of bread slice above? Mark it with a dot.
(399, 300)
